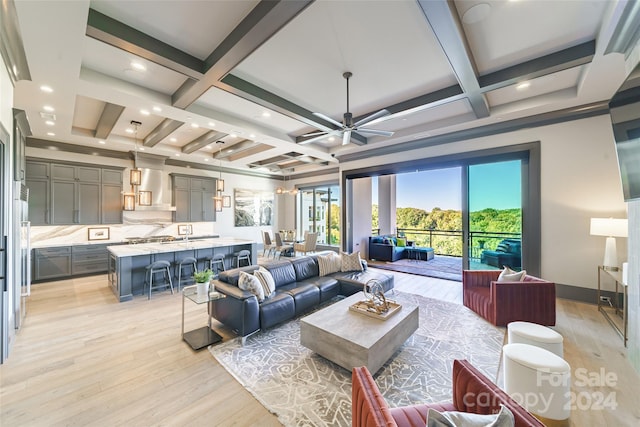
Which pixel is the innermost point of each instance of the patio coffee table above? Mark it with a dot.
(351, 339)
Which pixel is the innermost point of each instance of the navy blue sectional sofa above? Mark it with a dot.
(299, 288)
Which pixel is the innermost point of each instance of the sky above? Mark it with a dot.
(492, 185)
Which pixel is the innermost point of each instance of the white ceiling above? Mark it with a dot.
(259, 74)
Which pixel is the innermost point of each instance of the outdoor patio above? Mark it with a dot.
(441, 266)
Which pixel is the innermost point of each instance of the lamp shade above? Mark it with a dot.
(610, 227)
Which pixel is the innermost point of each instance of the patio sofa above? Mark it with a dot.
(508, 253)
(299, 288)
(471, 392)
(386, 248)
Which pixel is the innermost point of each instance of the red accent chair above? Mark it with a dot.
(472, 392)
(532, 300)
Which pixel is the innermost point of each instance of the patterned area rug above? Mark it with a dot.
(303, 389)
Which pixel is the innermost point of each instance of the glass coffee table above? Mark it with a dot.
(204, 336)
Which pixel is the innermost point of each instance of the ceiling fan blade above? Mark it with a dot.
(375, 132)
(319, 137)
(329, 119)
(317, 133)
(346, 137)
(372, 117)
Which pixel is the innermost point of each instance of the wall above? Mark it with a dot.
(361, 216)
(150, 223)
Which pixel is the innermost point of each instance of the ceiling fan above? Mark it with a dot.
(347, 127)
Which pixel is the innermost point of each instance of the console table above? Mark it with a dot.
(614, 309)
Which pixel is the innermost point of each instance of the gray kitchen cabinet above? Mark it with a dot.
(51, 263)
(111, 203)
(89, 259)
(73, 193)
(193, 198)
(38, 200)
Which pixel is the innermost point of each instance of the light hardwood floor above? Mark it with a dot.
(83, 359)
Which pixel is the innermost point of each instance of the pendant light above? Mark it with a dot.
(135, 175)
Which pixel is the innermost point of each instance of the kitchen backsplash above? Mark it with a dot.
(135, 224)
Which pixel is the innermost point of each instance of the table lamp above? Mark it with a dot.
(611, 228)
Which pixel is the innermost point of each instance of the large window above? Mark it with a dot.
(320, 213)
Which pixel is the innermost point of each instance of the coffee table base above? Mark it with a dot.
(351, 339)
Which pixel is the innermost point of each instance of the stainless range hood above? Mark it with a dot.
(154, 180)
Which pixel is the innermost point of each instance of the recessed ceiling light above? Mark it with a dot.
(230, 150)
(266, 114)
(206, 159)
(129, 130)
(331, 139)
(138, 66)
(101, 142)
(523, 86)
(173, 140)
(50, 122)
(144, 112)
(252, 135)
(51, 134)
(141, 149)
(212, 124)
(195, 125)
(177, 154)
(233, 135)
(157, 109)
(49, 108)
(46, 88)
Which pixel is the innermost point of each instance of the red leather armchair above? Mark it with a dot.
(472, 392)
(532, 300)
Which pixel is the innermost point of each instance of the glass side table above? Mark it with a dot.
(617, 308)
(204, 336)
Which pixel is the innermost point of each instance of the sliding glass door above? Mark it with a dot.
(320, 213)
(494, 233)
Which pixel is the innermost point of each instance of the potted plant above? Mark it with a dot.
(202, 279)
(481, 243)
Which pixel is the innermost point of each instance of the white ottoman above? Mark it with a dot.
(534, 334)
(539, 380)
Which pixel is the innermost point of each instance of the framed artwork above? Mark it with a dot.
(226, 201)
(98, 233)
(185, 229)
(218, 205)
(253, 208)
(144, 198)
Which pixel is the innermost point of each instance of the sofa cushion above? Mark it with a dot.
(266, 280)
(306, 296)
(249, 282)
(282, 271)
(231, 276)
(276, 309)
(402, 242)
(504, 418)
(329, 263)
(329, 286)
(351, 262)
(354, 281)
(305, 268)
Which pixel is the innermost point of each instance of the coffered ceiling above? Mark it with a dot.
(252, 73)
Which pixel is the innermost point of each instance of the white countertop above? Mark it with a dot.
(175, 246)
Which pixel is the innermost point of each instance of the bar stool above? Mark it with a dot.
(216, 263)
(155, 268)
(244, 254)
(190, 264)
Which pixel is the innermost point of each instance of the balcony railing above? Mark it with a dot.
(449, 242)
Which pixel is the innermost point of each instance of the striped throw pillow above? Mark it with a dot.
(266, 281)
(329, 263)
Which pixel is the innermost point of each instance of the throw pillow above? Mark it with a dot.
(402, 242)
(509, 275)
(249, 282)
(504, 418)
(329, 263)
(351, 262)
(266, 281)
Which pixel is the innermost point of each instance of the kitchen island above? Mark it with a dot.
(127, 263)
